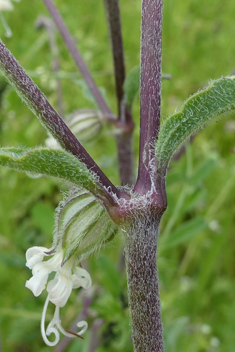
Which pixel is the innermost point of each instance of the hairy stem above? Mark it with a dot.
(77, 57)
(140, 251)
(49, 118)
(150, 90)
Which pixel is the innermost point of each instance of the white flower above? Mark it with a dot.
(68, 276)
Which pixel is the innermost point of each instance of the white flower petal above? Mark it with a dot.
(41, 269)
(59, 290)
(37, 284)
(35, 255)
(51, 329)
(81, 278)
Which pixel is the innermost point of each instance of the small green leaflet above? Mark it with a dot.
(217, 100)
(82, 225)
(49, 162)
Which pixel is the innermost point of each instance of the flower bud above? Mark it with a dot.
(85, 124)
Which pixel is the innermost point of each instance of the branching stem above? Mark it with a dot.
(49, 118)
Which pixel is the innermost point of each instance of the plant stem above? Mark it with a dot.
(125, 158)
(49, 118)
(140, 251)
(77, 56)
(114, 23)
(125, 123)
(150, 91)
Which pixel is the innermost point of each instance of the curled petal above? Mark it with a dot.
(56, 321)
(37, 284)
(35, 255)
(55, 326)
(81, 278)
(82, 324)
(50, 329)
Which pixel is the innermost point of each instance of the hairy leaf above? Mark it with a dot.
(55, 163)
(218, 99)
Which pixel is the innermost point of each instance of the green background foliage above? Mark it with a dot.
(197, 242)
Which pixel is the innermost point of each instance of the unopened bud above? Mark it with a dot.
(85, 124)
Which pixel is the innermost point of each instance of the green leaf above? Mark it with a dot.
(217, 100)
(49, 162)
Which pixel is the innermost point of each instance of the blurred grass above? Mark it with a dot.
(197, 269)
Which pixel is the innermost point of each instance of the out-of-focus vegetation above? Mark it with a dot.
(197, 241)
